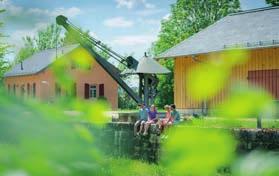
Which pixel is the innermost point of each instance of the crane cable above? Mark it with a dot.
(100, 45)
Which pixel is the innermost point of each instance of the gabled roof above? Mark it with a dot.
(246, 29)
(39, 61)
(150, 66)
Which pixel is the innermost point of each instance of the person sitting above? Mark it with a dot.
(168, 120)
(175, 114)
(152, 118)
(143, 114)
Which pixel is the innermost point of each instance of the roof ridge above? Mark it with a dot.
(254, 10)
(34, 58)
(47, 50)
(60, 47)
(259, 26)
(51, 49)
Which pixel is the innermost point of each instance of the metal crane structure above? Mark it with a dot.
(147, 79)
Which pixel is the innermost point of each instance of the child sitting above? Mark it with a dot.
(143, 114)
(168, 120)
(152, 118)
(175, 114)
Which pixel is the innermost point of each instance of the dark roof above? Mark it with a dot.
(246, 29)
(41, 60)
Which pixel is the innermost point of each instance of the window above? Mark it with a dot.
(90, 91)
(34, 90)
(83, 66)
(86, 91)
(88, 67)
(28, 89)
(93, 91)
(71, 91)
(14, 89)
(74, 90)
(101, 90)
(57, 90)
(22, 90)
(73, 65)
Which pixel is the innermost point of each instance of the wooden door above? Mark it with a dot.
(266, 79)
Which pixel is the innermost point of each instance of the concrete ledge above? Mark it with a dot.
(128, 116)
(188, 112)
(120, 141)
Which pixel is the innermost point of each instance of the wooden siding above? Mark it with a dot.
(260, 59)
(267, 79)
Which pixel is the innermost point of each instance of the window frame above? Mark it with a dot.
(92, 94)
(34, 90)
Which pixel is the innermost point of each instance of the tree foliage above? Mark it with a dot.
(187, 17)
(4, 65)
(125, 101)
(27, 50)
(273, 2)
(47, 38)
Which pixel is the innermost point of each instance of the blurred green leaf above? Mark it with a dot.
(246, 102)
(206, 80)
(257, 164)
(197, 151)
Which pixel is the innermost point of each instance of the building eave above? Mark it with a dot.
(216, 51)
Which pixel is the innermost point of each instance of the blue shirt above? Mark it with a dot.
(143, 114)
(176, 116)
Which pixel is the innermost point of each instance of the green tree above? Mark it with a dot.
(3, 46)
(124, 100)
(47, 38)
(27, 50)
(4, 65)
(272, 2)
(187, 17)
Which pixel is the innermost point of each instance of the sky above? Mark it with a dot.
(127, 26)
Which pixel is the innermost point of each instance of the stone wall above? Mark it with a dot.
(262, 139)
(119, 140)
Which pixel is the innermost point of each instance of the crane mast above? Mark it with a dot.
(90, 44)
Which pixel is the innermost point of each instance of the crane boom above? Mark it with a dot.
(129, 62)
(89, 43)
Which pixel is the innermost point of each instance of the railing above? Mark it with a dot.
(252, 44)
